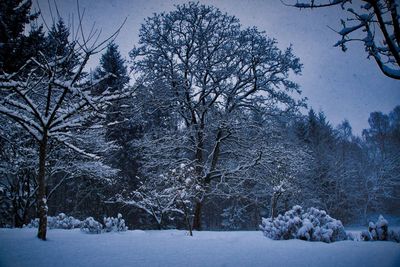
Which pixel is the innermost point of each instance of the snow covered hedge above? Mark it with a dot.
(380, 231)
(89, 225)
(312, 225)
(61, 221)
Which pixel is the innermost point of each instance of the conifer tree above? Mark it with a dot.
(14, 16)
(121, 128)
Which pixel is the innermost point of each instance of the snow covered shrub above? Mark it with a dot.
(112, 224)
(313, 225)
(380, 231)
(61, 221)
(325, 228)
(33, 224)
(283, 226)
(353, 236)
(91, 226)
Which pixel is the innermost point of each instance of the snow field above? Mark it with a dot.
(21, 247)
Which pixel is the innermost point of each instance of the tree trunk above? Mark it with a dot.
(197, 216)
(20, 209)
(189, 226)
(365, 212)
(214, 161)
(41, 197)
(273, 206)
(18, 223)
(187, 219)
(15, 210)
(199, 171)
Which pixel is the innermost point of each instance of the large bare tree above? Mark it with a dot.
(210, 75)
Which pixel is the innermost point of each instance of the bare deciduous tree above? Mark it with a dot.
(210, 74)
(52, 103)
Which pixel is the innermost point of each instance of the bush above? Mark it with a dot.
(353, 236)
(91, 226)
(313, 225)
(380, 231)
(61, 221)
(34, 223)
(112, 224)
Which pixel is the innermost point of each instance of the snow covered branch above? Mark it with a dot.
(377, 21)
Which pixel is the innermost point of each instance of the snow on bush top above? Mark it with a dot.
(313, 225)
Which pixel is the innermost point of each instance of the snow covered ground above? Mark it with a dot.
(20, 247)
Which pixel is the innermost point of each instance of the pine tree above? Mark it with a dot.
(114, 75)
(112, 62)
(59, 45)
(121, 128)
(14, 16)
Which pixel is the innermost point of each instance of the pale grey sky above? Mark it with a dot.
(343, 85)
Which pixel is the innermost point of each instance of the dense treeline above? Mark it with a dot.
(210, 136)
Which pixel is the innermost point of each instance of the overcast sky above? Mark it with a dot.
(343, 85)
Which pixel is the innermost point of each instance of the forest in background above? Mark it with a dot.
(210, 131)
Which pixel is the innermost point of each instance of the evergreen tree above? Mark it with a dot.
(113, 73)
(121, 126)
(58, 45)
(111, 62)
(14, 16)
(18, 165)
